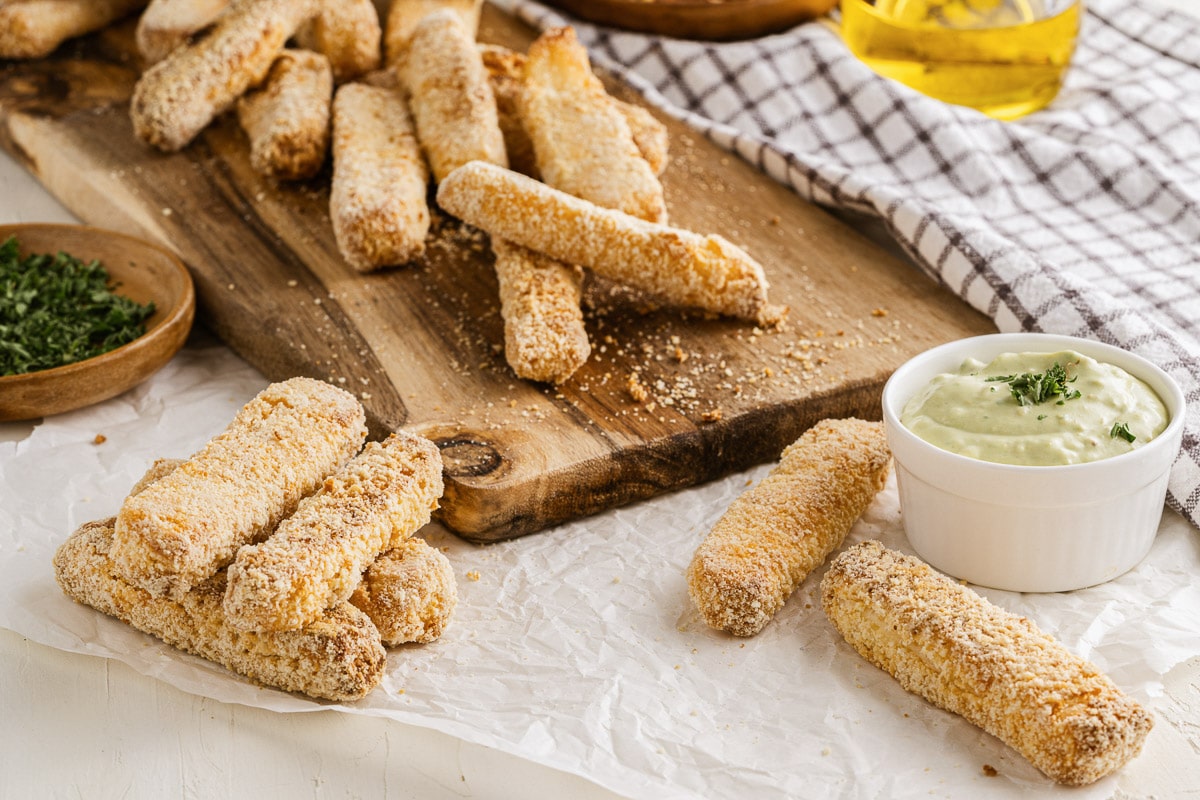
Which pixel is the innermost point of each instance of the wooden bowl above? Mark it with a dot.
(698, 19)
(142, 272)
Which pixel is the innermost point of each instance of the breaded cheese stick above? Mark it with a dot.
(451, 100)
(167, 24)
(679, 266)
(35, 28)
(772, 536)
(286, 118)
(409, 592)
(184, 527)
(347, 32)
(338, 657)
(159, 469)
(582, 143)
(404, 15)
(378, 199)
(179, 96)
(649, 135)
(317, 556)
(544, 334)
(947, 644)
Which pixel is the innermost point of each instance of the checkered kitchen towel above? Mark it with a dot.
(1081, 219)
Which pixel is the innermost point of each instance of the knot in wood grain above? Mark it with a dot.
(467, 457)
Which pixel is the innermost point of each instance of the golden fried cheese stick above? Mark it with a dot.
(450, 97)
(947, 644)
(35, 28)
(167, 24)
(179, 96)
(378, 199)
(404, 15)
(278, 449)
(338, 657)
(681, 267)
(583, 144)
(316, 557)
(409, 592)
(772, 536)
(544, 334)
(286, 118)
(347, 32)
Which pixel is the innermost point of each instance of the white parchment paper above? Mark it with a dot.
(578, 647)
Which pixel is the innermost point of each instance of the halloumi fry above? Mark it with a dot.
(679, 266)
(544, 334)
(168, 24)
(278, 449)
(772, 536)
(409, 592)
(316, 557)
(582, 143)
(179, 96)
(404, 15)
(35, 28)
(347, 32)
(450, 97)
(338, 657)
(946, 643)
(378, 199)
(286, 118)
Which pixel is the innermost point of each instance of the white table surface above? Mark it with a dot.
(81, 726)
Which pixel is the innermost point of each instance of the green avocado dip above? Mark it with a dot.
(1040, 409)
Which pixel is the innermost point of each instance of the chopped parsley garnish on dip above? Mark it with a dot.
(56, 310)
(1063, 408)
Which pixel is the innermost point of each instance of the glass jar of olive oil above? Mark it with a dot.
(1003, 57)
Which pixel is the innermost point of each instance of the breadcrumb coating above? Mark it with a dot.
(278, 449)
(582, 142)
(409, 592)
(775, 534)
(316, 557)
(452, 104)
(544, 335)
(175, 99)
(378, 199)
(167, 24)
(679, 266)
(35, 28)
(286, 118)
(338, 657)
(403, 17)
(348, 33)
(947, 644)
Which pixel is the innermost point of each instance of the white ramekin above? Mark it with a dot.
(1023, 528)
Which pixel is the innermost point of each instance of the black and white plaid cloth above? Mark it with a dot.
(1082, 218)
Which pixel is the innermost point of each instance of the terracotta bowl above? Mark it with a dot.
(698, 19)
(142, 272)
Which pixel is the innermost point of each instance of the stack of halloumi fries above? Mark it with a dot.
(283, 549)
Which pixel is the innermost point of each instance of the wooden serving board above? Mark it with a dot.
(422, 345)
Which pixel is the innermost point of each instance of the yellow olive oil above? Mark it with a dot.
(1003, 57)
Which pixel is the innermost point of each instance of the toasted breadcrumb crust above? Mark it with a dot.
(177, 97)
(544, 335)
(277, 450)
(773, 535)
(167, 24)
(338, 657)
(348, 33)
(35, 28)
(404, 15)
(316, 557)
(947, 644)
(409, 592)
(679, 266)
(378, 199)
(583, 143)
(287, 118)
(451, 100)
